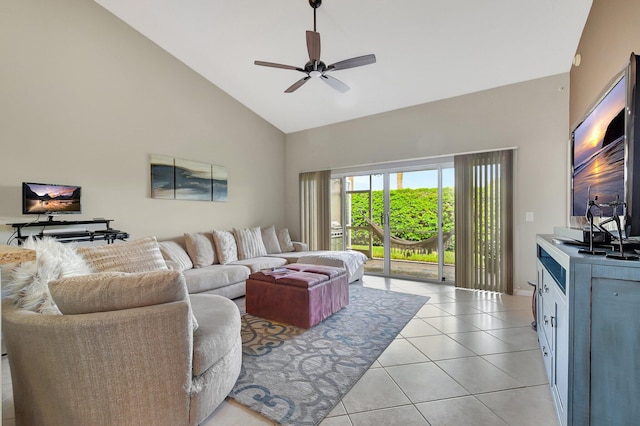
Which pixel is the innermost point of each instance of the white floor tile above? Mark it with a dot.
(374, 390)
(465, 410)
(440, 347)
(337, 421)
(523, 407)
(338, 410)
(484, 321)
(450, 324)
(521, 338)
(425, 382)
(526, 367)
(430, 310)
(478, 375)
(458, 308)
(481, 342)
(417, 327)
(399, 352)
(406, 416)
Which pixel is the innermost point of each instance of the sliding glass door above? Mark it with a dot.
(403, 221)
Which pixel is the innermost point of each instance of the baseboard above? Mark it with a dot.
(520, 292)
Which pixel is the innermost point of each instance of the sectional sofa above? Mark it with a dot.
(136, 332)
(219, 262)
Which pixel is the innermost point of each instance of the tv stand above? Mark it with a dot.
(65, 234)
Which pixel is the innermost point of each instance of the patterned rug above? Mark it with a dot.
(296, 376)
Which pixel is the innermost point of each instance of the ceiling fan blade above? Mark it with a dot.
(335, 83)
(297, 84)
(313, 46)
(353, 62)
(274, 65)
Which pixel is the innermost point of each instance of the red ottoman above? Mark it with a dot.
(302, 296)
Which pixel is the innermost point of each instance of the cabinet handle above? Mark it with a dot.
(546, 289)
(546, 320)
(553, 322)
(544, 351)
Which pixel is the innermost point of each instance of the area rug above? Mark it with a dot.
(296, 376)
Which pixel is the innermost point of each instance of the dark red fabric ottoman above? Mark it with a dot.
(302, 296)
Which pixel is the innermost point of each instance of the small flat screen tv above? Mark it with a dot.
(50, 199)
(606, 153)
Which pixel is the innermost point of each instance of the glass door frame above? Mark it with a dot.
(439, 165)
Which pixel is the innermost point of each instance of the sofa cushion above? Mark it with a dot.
(249, 242)
(219, 320)
(284, 239)
(173, 251)
(263, 262)
(270, 240)
(214, 276)
(141, 255)
(225, 246)
(113, 291)
(291, 257)
(200, 248)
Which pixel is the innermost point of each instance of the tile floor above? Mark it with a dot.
(466, 358)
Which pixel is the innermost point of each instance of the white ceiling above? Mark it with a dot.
(425, 50)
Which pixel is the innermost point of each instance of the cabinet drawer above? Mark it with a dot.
(548, 312)
(547, 356)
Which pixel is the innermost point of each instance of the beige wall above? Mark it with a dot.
(611, 33)
(532, 116)
(85, 99)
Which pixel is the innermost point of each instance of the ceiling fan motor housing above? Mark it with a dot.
(310, 66)
(315, 3)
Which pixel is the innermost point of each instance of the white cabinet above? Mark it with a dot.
(588, 316)
(553, 336)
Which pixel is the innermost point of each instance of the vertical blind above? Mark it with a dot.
(315, 209)
(484, 221)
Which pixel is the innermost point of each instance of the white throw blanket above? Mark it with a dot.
(350, 260)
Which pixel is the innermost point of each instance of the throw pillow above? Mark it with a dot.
(172, 251)
(225, 246)
(200, 248)
(249, 242)
(28, 283)
(270, 240)
(113, 291)
(284, 239)
(141, 255)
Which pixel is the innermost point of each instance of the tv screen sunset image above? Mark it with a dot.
(51, 199)
(598, 153)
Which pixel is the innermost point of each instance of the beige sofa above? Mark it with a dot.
(124, 351)
(201, 258)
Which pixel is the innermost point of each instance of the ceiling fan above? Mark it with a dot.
(315, 68)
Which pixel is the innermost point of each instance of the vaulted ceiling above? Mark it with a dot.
(425, 50)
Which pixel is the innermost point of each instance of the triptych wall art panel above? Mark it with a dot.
(178, 179)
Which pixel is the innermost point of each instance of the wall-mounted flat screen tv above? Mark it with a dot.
(50, 199)
(598, 152)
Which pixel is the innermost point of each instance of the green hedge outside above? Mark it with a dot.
(414, 212)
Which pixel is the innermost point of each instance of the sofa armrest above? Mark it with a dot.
(300, 246)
